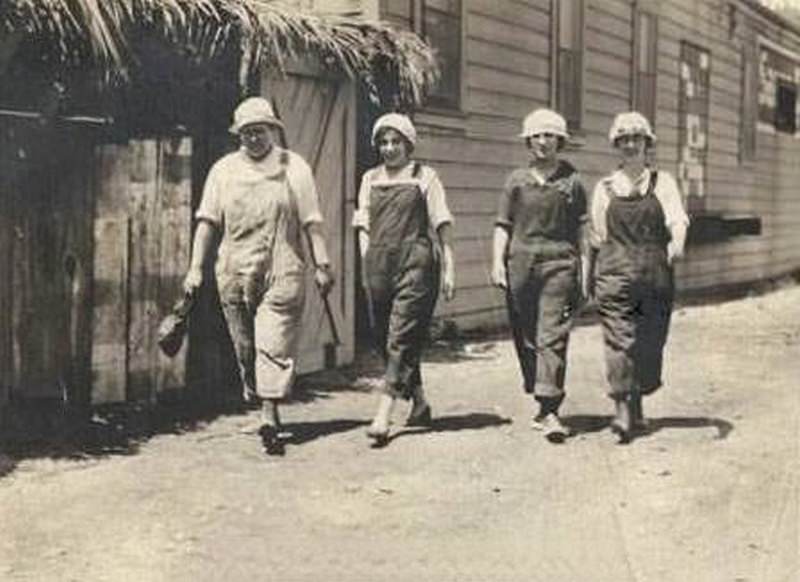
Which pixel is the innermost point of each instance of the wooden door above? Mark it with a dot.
(319, 114)
(142, 230)
(46, 260)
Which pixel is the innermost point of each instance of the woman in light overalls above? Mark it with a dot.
(256, 203)
(538, 233)
(402, 221)
(639, 229)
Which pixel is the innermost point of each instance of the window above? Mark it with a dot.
(439, 22)
(567, 66)
(778, 75)
(785, 107)
(645, 63)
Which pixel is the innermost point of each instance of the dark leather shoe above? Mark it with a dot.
(420, 417)
(271, 441)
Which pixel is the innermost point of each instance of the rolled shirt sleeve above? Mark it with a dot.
(598, 232)
(579, 201)
(504, 218)
(436, 199)
(669, 195)
(210, 208)
(304, 187)
(361, 214)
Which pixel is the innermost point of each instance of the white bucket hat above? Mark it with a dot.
(544, 121)
(397, 121)
(254, 110)
(631, 123)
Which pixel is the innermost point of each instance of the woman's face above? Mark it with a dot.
(393, 148)
(257, 140)
(631, 148)
(543, 147)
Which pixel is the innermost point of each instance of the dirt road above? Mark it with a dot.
(711, 494)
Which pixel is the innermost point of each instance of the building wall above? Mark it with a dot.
(507, 57)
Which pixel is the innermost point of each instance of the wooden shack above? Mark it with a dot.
(103, 152)
(719, 79)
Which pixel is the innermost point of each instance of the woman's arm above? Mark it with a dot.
(500, 240)
(677, 242)
(205, 241)
(323, 274)
(444, 233)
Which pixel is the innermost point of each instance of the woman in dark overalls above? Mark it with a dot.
(402, 221)
(639, 229)
(536, 255)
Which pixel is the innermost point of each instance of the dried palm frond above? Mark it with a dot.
(101, 33)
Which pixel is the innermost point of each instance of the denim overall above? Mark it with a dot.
(635, 291)
(542, 267)
(402, 280)
(260, 277)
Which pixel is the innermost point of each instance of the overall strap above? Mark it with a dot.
(651, 188)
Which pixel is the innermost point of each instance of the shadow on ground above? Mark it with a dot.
(305, 432)
(456, 423)
(590, 423)
(41, 430)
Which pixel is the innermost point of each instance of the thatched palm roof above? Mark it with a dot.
(102, 33)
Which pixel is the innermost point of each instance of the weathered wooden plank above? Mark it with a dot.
(109, 327)
(75, 207)
(145, 240)
(175, 198)
(8, 187)
(110, 300)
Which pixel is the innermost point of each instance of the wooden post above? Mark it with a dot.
(111, 243)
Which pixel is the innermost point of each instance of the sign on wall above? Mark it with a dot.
(695, 74)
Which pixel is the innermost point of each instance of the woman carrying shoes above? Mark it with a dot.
(404, 229)
(536, 256)
(638, 230)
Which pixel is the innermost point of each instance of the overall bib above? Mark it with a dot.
(542, 267)
(260, 276)
(635, 292)
(402, 280)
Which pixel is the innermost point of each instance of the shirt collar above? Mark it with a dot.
(623, 186)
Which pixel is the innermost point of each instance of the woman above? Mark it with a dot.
(402, 221)
(639, 230)
(256, 204)
(536, 259)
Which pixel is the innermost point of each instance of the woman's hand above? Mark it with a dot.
(674, 251)
(448, 281)
(499, 275)
(193, 280)
(323, 277)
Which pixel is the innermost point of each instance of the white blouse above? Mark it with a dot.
(427, 181)
(618, 184)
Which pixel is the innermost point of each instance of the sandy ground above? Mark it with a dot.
(711, 494)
